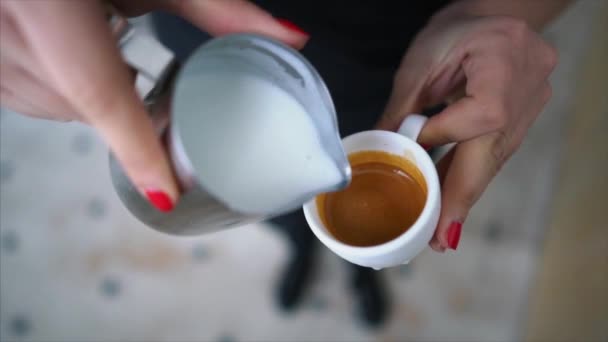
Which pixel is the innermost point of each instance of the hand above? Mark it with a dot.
(59, 61)
(502, 67)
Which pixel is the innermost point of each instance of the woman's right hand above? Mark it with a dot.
(59, 61)
(503, 67)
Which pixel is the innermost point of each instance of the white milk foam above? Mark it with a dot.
(259, 150)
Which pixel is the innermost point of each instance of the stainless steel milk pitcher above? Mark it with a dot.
(198, 210)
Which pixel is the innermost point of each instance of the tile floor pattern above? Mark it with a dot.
(75, 266)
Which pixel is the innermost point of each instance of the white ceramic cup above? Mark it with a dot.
(409, 244)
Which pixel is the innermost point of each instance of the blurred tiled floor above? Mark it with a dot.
(75, 266)
(569, 299)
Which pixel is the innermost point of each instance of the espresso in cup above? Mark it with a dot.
(384, 199)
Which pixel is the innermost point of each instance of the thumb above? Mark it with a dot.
(97, 83)
(234, 16)
(465, 172)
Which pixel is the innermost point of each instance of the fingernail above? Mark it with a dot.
(454, 234)
(160, 200)
(292, 26)
(425, 147)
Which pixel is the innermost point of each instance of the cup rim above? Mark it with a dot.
(432, 183)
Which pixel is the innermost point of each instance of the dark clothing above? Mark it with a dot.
(373, 33)
(356, 45)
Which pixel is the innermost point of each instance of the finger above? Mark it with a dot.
(486, 78)
(421, 83)
(444, 165)
(234, 16)
(405, 99)
(462, 120)
(98, 85)
(473, 166)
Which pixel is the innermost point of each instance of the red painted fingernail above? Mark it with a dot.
(425, 147)
(160, 200)
(292, 26)
(454, 234)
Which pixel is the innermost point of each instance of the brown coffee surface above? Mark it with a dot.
(386, 196)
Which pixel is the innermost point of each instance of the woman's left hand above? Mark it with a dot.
(502, 67)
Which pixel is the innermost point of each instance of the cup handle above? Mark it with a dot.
(412, 125)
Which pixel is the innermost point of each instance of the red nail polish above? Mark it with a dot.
(454, 234)
(160, 200)
(292, 26)
(425, 147)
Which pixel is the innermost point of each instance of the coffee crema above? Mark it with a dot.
(385, 198)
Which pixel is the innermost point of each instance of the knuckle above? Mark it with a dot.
(512, 146)
(136, 167)
(97, 103)
(515, 29)
(469, 196)
(550, 57)
(499, 151)
(141, 162)
(503, 70)
(469, 192)
(497, 118)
